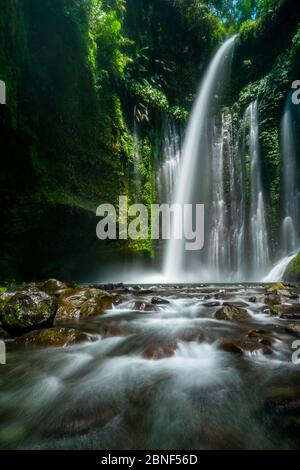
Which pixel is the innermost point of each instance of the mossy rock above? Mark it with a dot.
(54, 337)
(232, 313)
(26, 311)
(292, 272)
(74, 304)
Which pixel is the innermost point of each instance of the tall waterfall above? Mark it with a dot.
(258, 227)
(193, 185)
(290, 189)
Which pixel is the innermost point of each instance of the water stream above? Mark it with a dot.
(155, 380)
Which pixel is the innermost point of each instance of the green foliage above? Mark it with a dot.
(292, 273)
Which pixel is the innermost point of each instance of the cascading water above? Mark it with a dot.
(290, 228)
(137, 158)
(258, 226)
(290, 190)
(195, 155)
(168, 171)
(227, 227)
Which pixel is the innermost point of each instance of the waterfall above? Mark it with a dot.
(195, 155)
(290, 190)
(277, 272)
(258, 227)
(169, 166)
(227, 226)
(137, 158)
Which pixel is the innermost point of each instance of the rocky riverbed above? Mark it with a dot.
(145, 367)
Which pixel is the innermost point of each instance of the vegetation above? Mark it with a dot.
(79, 72)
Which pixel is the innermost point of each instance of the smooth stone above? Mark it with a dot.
(160, 350)
(27, 311)
(240, 346)
(212, 304)
(54, 337)
(293, 329)
(232, 313)
(74, 304)
(159, 301)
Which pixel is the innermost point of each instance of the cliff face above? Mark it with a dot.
(75, 71)
(265, 65)
(78, 74)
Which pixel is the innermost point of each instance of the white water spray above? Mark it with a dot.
(191, 155)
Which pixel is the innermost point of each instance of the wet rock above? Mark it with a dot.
(284, 293)
(160, 350)
(83, 303)
(54, 337)
(116, 287)
(53, 287)
(253, 299)
(192, 335)
(143, 306)
(159, 301)
(261, 336)
(291, 312)
(253, 334)
(232, 313)
(212, 304)
(272, 300)
(110, 329)
(235, 304)
(240, 346)
(293, 329)
(27, 311)
(276, 310)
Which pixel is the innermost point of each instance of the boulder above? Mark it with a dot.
(291, 312)
(241, 346)
(211, 304)
(53, 287)
(74, 304)
(54, 337)
(159, 350)
(253, 299)
(26, 311)
(159, 301)
(232, 313)
(191, 335)
(235, 304)
(143, 306)
(272, 300)
(293, 329)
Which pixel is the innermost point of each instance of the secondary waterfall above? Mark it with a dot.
(258, 226)
(137, 157)
(169, 167)
(290, 190)
(195, 155)
(226, 227)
